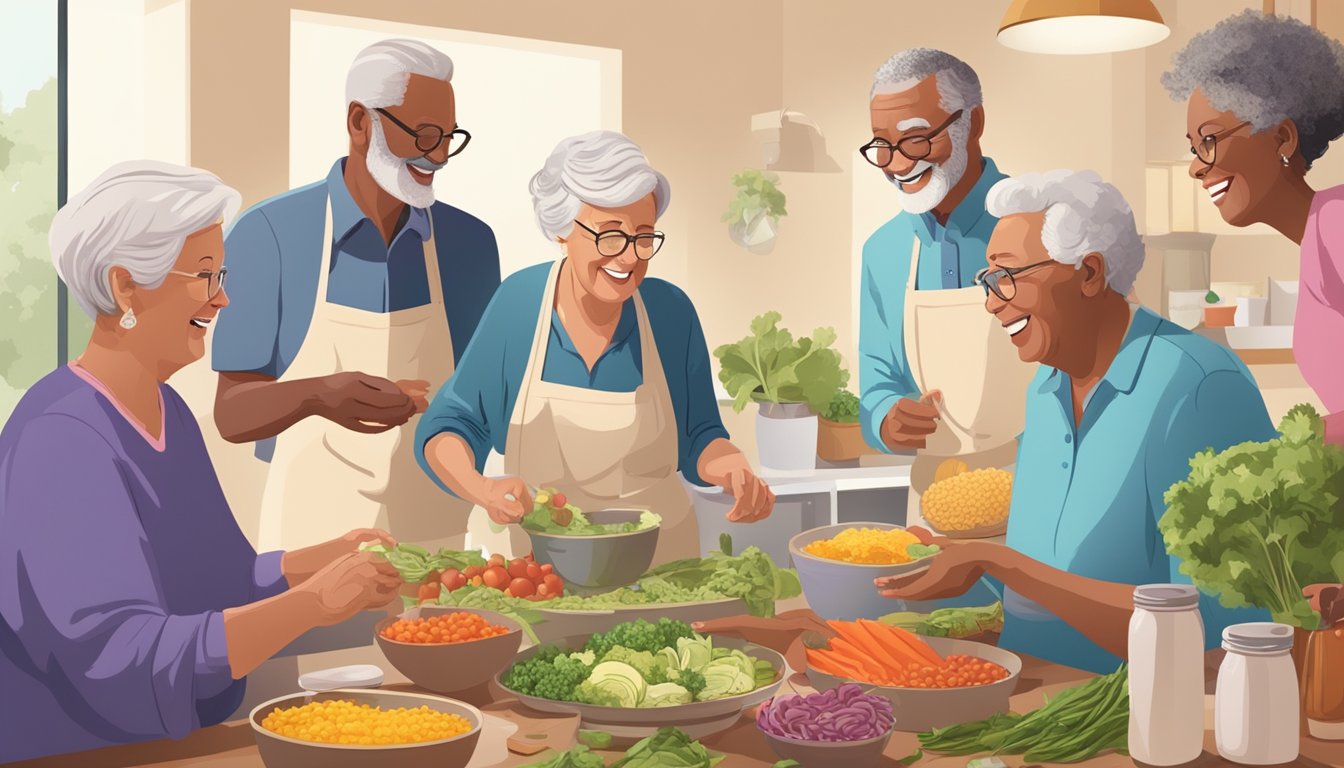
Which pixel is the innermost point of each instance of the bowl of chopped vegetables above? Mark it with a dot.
(840, 726)
(597, 550)
(838, 563)
(644, 675)
(448, 650)
(356, 728)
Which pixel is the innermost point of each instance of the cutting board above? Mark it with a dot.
(536, 731)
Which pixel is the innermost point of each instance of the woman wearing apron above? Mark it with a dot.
(587, 376)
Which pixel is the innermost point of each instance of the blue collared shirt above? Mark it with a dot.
(479, 399)
(1087, 498)
(273, 252)
(950, 257)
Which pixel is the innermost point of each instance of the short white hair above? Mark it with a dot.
(379, 74)
(958, 85)
(604, 169)
(1083, 215)
(136, 216)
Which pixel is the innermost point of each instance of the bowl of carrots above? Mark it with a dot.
(931, 682)
(449, 650)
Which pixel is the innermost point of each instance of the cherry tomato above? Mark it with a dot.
(458, 582)
(554, 584)
(429, 591)
(534, 573)
(496, 577)
(546, 568)
(473, 571)
(543, 590)
(558, 501)
(497, 559)
(522, 588)
(518, 569)
(447, 577)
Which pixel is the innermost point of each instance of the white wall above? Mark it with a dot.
(517, 97)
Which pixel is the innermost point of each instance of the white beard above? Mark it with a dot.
(941, 180)
(391, 173)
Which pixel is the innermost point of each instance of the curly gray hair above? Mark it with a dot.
(604, 169)
(1266, 69)
(958, 85)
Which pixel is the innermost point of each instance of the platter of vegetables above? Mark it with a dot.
(645, 674)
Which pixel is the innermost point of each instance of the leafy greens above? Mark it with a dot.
(770, 366)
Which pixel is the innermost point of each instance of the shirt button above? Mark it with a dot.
(949, 271)
(1064, 464)
(1068, 439)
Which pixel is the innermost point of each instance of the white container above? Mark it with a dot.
(1186, 308)
(786, 437)
(1256, 709)
(1251, 311)
(1282, 302)
(1166, 675)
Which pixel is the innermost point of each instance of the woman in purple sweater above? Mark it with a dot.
(131, 605)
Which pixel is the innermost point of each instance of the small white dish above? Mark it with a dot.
(353, 676)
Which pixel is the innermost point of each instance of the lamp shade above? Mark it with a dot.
(1081, 26)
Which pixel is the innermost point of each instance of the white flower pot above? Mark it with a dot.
(757, 234)
(786, 437)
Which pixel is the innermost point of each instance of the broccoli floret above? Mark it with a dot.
(669, 630)
(639, 635)
(691, 680)
(548, 675)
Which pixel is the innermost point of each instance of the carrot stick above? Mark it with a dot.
(857, 656)
(919, 647)
(902, 652)
(861, 638)
(833, 666)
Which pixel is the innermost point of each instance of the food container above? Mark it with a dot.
(845, 591)
(824, 754)
(1220, 316)
(1251, 311)
(451, 667)
(283, 752)
(1256, 707)
(1186, 308)
(923, 709)
(840, 441)
(1322, 670)
(1282, 302)
(599, 562)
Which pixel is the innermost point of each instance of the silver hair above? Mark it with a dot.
(604, 169)
(958, 85)
(137, 216)
(379, 74)
(1083, 215)
(1267, 69)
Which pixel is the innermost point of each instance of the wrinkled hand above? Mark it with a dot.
(951, 572)
(418, 391)
(784, 633)
(752, 498)
(910, 422)
(300, 564)
(506, 500)
(359, 581)
(364, 403)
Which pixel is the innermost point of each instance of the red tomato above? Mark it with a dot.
(522, 588)
(547, 568)
(473, 571)
(497, 559)
(447, 577)
(433, 576)
(518, 569)
(558, 501)
(429, 591)
(543, 590)
(496, 577)
(459, 582)
(554, 584)
(534, 573)
(529, 558)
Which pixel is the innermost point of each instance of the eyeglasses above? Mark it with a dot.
(881, 152)
(429, 137)
(214, 280)
(1207, 148)
(613, 242)
(1002, 281)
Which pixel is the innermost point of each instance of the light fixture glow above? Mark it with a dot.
(1081, 26)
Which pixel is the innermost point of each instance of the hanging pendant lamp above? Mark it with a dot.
(1081, 26)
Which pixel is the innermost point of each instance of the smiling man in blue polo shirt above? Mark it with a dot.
(351, 299)
(1122, 401)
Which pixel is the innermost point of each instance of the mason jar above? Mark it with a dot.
(1256, 709)
(1166, 675)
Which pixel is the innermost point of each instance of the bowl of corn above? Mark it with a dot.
(967, 504)
(355, 728)
(838, 563)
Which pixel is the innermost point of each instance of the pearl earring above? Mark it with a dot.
(1285, 160)
(128, 320)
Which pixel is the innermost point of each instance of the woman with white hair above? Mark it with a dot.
(587, 375)
(1265, 97)
(1122, 400)
(132, 606)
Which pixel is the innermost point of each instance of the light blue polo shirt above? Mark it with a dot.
(1087, 499)
(950, 257)
(273, 252)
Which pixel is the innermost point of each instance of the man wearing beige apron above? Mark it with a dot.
(355, 296)
(937, 375)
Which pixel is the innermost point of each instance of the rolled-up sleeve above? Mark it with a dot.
(82, 595)
(691, 385)
(268, 576)
(247, 334)
(884, 374)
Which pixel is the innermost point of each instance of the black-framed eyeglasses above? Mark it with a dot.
(613, 242)
(214, 280)
(881, 152)
(1002, 280)
(1207, 148)
(429, 137)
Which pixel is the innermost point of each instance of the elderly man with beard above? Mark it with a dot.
(935, 374)
(353, 298)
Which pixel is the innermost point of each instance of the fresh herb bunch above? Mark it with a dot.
(1259, 521)
(757, 193)
(770, 366)
(843, 408)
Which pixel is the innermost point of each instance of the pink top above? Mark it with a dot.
(1318, 330)
(159, 443)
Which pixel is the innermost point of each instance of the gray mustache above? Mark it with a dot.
(427, 165)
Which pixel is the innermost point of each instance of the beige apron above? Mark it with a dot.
(602, 449)
(954, 345)
(324, 479)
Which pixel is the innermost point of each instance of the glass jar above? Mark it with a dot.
(1323, 683)
(1166, 675)
(1256, 710)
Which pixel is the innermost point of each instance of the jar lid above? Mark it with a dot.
(1258, 637)
(1166, 597)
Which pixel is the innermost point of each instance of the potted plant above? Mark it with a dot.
(1217, 314)
(839, 437)
(753, 215)
(790, 380)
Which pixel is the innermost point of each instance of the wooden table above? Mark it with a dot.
(231, 745)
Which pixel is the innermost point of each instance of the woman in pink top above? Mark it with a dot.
(1265, 99)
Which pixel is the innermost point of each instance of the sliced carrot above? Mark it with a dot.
(856, 633)
(832, 666)
(856, 656)
(901, 654)
(918, 647)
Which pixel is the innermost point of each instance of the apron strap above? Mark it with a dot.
(324, 270)
(651, 358)
(432, 263)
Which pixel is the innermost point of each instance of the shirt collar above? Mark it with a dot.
(969, 212)
(346, 215)
(1128, 362)
(624, 327)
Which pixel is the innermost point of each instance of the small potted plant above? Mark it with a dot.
(790, 380)
(839, 437)
(753, 215)
(1217, 314)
